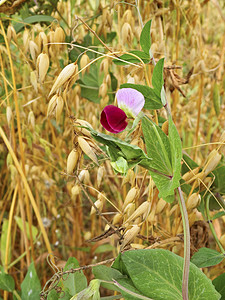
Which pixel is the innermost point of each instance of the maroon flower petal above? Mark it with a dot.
(113, 119)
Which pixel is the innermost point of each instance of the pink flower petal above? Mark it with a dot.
(113, 119)
(130, 100)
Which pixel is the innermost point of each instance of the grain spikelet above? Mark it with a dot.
(64, 75)
(59, 108)
(130, 235)
(72, 161)
(130, 196)
(42, 66)
(117, 218)
(33, 80)
(193, 201)
(144, 208)
(103, 90)
(75, 191)
(212, 161)
(160, 206)
(129, 209)
(99, 204)
(52, 105)
(8, 114)
(84, 61)
(127, 34)
(33, 50)
(31, 119)
(100, 174)
(165, 127)
(187, 176)
(26, 39)
(222, 240)
(86, 148)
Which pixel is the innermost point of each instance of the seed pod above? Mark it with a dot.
(130, 196)
(165, 127)
(72, 161)
(99, 204)
(64, 75)
(187, 176)
(31, 119)
(8, 114)
(86, 148)
(103, 90)
(100, 174)
(212, 161)
(160, 206)
(42, 66)
(193, 201)
(84, 61)
(216, 99)
(117, 218)
(59, 108)
(144, 208)
(33, 80)
(52, 105)
(130, 235)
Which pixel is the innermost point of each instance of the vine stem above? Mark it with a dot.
(186, 244)
(212, 227)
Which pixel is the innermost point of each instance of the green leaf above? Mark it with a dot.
(206, 257)
(145, 38)
(166, 157)
(33, 228)
(132, 59)
(118, 148)
(152, 101)
(218, 215)
(6, 281)
(219, 180)
(104, 248)
(107, 274)
(53, 295)
(31, 287)
(120, 165)
(157, 77)
(216, 99)
(74, 282)
(219, 283)
(157, 273)
(3, 241)
(32, 20)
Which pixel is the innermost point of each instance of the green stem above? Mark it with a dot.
(212, 227)
(186, 244)
(16, 295)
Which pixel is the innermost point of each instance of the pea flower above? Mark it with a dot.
(130, 102)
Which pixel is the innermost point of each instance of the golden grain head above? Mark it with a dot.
(64, 76)
(33, 80)
(52, 105)
(193, 201)
(99, 205)
(72, 161)
(42, 66)
(59, 108)
(84, 61)
(31, 119)
(212, 162)
(130, 235)
(130, 196)
(86, 148)
(9, 114)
